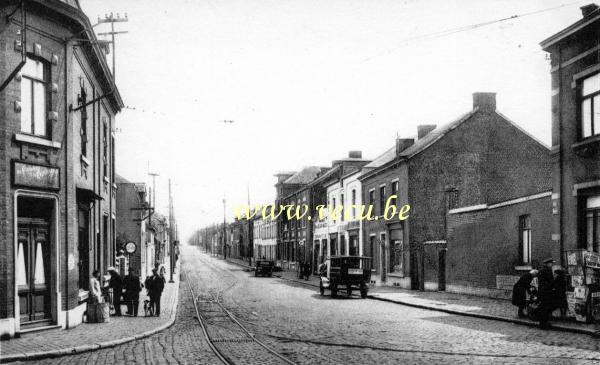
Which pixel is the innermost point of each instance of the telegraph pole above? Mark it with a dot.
(171, 238)
(224, 230)
(112, 20)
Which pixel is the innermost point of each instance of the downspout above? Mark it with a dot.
(560, 161)
(66, 143)
(23, 48)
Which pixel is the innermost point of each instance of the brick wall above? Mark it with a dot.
(485, 243)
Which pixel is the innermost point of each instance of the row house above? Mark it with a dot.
(575, 78)
(58, 102)
(241, 239)
(480, 170)
(264, 234)
(340, 190)
(132, 209)
(295, 235)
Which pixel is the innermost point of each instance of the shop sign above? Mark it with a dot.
(36, 176)
(592, 260)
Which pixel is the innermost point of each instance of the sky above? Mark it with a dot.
(306, 81)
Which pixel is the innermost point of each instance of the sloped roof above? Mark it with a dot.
(432, 137)
(304, 176)
(121, 180)
(419, 144)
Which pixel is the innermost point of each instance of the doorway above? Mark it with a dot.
(33, 269)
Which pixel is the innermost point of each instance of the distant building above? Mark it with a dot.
(264, 232)
(132, 208)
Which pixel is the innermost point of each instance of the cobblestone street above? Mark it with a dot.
(306, 328)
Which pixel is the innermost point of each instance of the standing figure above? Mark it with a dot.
(133, 287)
(157, 285)
(116, 283)
(520, 290)
(95, 292)
(546, 293)
(560, 287)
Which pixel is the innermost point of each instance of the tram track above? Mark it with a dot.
(227, 337)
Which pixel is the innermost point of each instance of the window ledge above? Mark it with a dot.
(587, 147)
(35, 140)
(523, 267)
(84, 160)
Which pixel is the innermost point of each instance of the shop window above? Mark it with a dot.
(34, 97)
(342, 245)
(353, 243)
(590, 106)
(525, 238)
(592, 223)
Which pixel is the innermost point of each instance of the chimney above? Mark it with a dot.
(424, 129)
(484, 101)
(402, 144)
(355, 154)
(589, 9)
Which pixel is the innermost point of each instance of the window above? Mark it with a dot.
(371, 198)
(452, 198)
(590, 106)
(34, 98)
(84, 117)
(112, 158)
(342, 202)
(342, 244)
(525, 238)
(381, 200)
(333, 208)
(353, 204)
(371, 245)
(394, 192)
(592, 223)
(105, 142)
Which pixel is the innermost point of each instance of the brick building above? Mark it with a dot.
(132, 207)
(58, 103)
(338, 188)
(295, 236)
(480, 158)
(575, 72)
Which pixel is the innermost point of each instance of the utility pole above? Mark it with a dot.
(152, 208)
(112, 20)
(224, 230)
(171, 238)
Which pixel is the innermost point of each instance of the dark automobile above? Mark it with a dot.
(345, 272)
(264, 267)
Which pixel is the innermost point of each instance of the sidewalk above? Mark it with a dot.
(92, 336)
(459, 304)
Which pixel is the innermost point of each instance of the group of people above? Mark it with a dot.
(551, 292)
(128, 289)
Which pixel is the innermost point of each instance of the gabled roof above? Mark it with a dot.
(304, 176)
(419, 145)
(573, 28)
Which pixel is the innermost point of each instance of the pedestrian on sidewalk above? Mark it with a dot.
(560, 287)
(116, 283)
(133, 287)
(520, 291)
(546, 294)
(95, 292)
(157, 285)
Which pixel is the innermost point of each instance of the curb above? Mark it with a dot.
(28, 356)
(455, 312)
(489, 317)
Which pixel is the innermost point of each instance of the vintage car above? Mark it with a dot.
(264, 267)
(345, 272)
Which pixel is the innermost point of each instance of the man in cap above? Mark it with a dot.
(116, 283)
(546, 293)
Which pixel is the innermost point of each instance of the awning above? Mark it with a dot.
(87, 195)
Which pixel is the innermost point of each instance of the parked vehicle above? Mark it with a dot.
(349, 272)
(264, 267)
